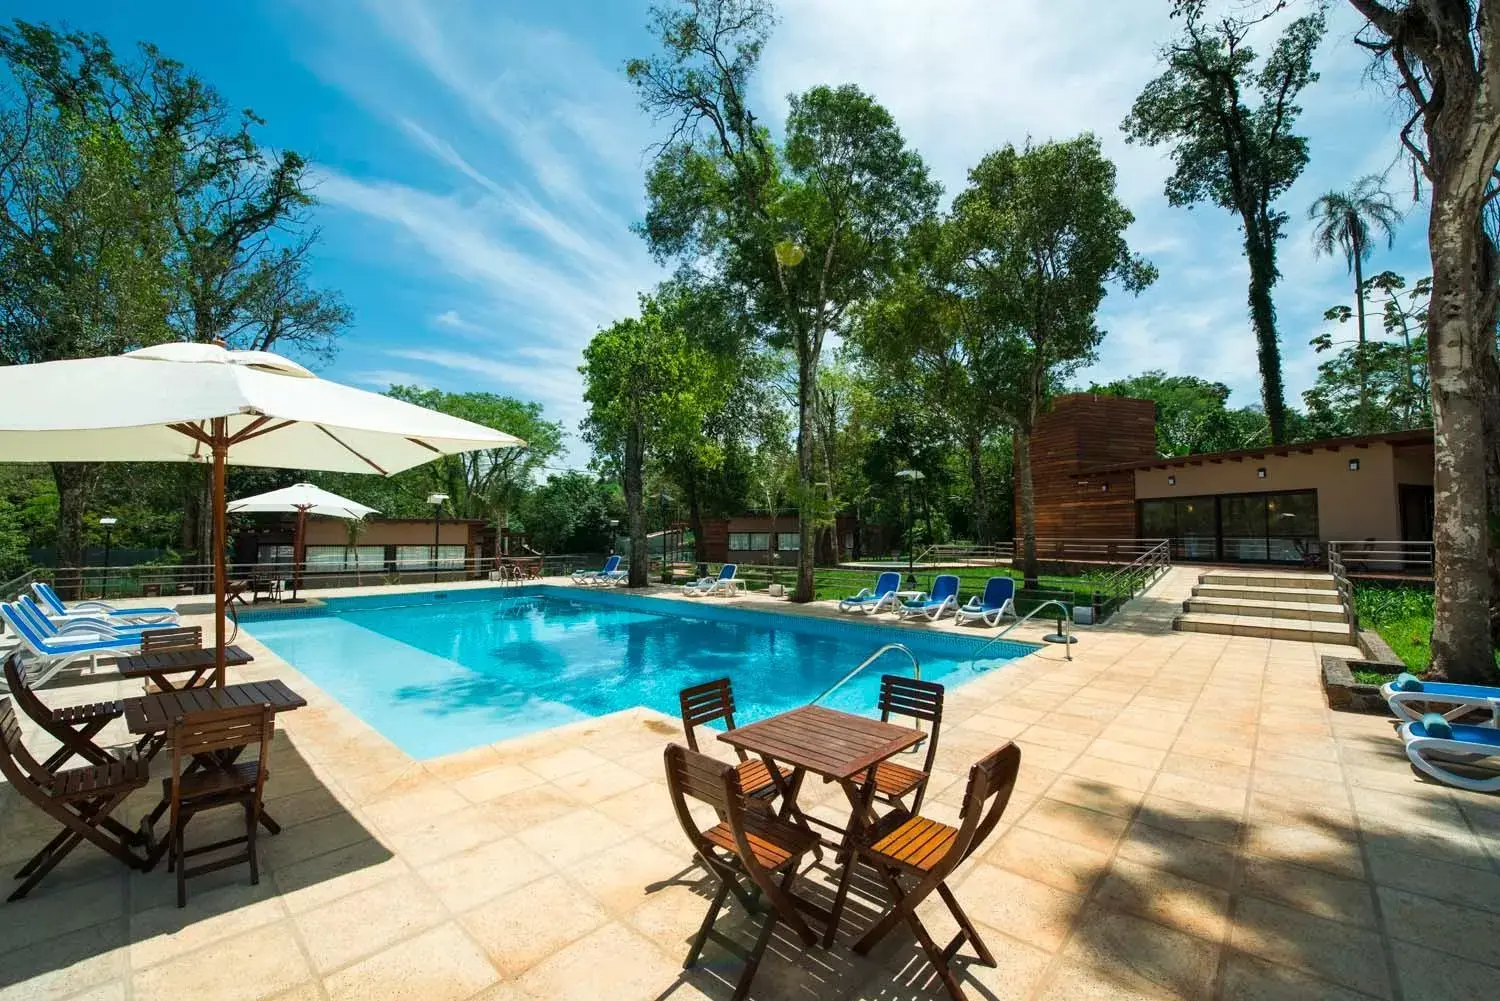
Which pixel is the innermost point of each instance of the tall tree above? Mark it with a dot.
(1239, 155)
(1192, 414)
(488, 483)
(1346, 220)
(1041, 235)
(82, 219)
(1387, 378)
(639, 377)
(806, 230)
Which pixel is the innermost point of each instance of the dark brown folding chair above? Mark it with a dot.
(714, 700)
(913, 699)
(80, 799)
(202, 737)
(75, 727)
(746, 843)
(903, 845)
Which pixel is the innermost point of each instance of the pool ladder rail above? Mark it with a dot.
(1065, 632)
(916, 669)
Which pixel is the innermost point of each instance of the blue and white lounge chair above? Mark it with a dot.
(882, 596)
(942, 599)
(48, 655)
(592, 576)
(714, 585)
(77, 626)
(999, 600)
(54, 607)
(1407, 693)
(1435, 746)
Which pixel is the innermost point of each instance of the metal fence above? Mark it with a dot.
(1382, 557)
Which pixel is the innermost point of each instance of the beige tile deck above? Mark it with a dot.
(1191, 823)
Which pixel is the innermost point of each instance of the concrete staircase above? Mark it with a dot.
(1283, 605)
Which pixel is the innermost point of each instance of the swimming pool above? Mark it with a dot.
(439, 672)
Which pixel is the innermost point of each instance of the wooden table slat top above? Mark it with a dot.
(836, 745)
(154, 713)
(163, 661)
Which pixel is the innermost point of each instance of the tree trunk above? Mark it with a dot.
(1267, 348)
(807, 372)
(1492, 487)
(75, 489)
(1460, 338)
(1363, 367)
(1027, 499)
(695, 512)
(635, 507)
(974, 445)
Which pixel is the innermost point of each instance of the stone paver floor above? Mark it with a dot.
(1191, 822)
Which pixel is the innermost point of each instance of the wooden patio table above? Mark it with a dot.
(159, 666)
(154, 713)
(838, 746)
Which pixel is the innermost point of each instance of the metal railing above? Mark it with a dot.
(1063, 627)
(916, 669)
(967, 554)
(1139, 574)
(1345, 589)
(1383, 557)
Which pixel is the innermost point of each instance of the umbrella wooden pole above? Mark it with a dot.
(220, 445)
(299, 547)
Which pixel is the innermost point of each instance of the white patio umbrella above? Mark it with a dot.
(304, 499)
(202, 403)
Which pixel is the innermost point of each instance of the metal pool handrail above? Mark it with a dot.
(1062, 620)
(916, 669)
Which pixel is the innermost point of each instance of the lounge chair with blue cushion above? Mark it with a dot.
(49, 655)
(54, 607)
(1410, 697)
(942, 599)
(79, 626)
(592, 576)
(1435, 746)
(871, 600)
(999, 600)
(714, 585)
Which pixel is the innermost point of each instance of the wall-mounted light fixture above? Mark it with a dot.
(1171, 481)
(1260, 473)
(1104, 487)
(1353, 465)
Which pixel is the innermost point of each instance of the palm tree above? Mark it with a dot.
(1345, 220)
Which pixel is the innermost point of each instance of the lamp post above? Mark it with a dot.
(109, 522)
(436, 500)
(911, 476)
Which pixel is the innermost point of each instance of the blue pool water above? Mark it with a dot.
(443, 672)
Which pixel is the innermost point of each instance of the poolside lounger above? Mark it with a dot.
(1435, 746)
(725, 582)
(54, 606)
(592, 576)
(943, 598)
(81, 625)
(51, 654)
(871, 600)
(747, 845)
(1407, 693)
(927, 852)
(82, 800)
(999, 600)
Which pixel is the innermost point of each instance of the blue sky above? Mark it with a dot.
(479, 162)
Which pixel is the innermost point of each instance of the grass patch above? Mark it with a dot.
(1403, 618)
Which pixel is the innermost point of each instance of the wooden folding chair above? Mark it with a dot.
(82, 800)
(75, 727)
(918, 700)
(193, 790)
(746, 844)
(714, 700)
(911, 846)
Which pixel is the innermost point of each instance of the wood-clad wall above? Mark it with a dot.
(1081, 432)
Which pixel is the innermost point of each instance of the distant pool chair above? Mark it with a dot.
(724, 582)
(999, 601)
(588, 577)
(872, 600)
(933, 605)
(53, 605)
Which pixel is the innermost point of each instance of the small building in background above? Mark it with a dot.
(760, 538)
(1096, 475)
(383, 546)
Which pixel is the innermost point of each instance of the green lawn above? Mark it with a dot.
(1403, 618)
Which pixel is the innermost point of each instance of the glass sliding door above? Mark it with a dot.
(1236, 528)
(1244, 527)
(1292, 527)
